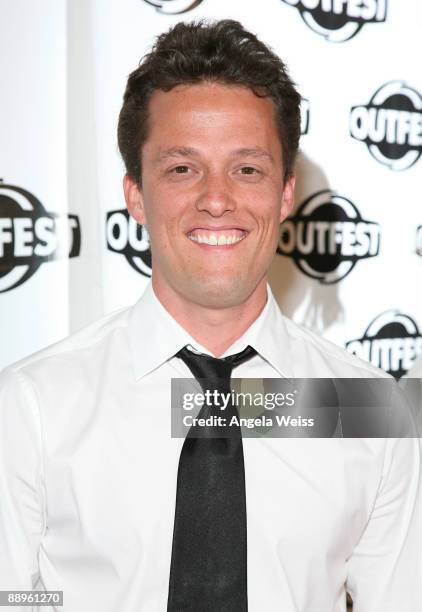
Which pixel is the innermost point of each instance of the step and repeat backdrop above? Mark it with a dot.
(349, 259)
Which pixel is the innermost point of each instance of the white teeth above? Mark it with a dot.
(214, 240)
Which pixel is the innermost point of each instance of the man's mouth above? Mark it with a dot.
(217, 237)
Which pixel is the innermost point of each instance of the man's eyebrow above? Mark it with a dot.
(253, 152)
(176, 152)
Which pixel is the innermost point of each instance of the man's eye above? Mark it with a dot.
(249, 170)
(181, 169)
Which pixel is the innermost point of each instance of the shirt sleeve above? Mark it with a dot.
(385, 569)
(22, 508)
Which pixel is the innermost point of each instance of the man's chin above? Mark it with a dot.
(219, 292)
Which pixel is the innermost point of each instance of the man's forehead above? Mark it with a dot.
(203, 120)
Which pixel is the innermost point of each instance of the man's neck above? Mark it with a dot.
(214, 328)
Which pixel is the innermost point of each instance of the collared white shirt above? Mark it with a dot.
(88, 477)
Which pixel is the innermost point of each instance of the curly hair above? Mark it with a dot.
(191, 53)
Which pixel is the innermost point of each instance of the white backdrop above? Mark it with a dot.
(348, 265)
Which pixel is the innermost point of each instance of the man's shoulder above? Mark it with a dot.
(78, 347)
(336, 358)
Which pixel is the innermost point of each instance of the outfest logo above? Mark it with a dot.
(31, 236)
(339, 20)
(126, 237)
(390, 125)
(328, 236)
(173, 7)
(392, 341)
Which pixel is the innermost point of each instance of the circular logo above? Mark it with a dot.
(126, 237)
(173, 7)
(390, 125)
(30, 236)
(339, 20)
(392, 341)
(327, 237)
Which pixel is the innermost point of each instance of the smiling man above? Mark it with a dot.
(96, 497)
(212, 194)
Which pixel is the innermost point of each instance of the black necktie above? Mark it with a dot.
(208, 564)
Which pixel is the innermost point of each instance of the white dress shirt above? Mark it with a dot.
(88, 477)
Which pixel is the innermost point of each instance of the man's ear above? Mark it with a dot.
(134, 199)
(288, 198)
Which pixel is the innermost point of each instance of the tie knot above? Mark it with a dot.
(241, 357)
(211, 370)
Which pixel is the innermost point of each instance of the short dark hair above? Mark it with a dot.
(191, 53)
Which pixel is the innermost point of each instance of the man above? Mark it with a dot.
(97, 499)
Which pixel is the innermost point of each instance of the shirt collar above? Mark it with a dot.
(155, 336)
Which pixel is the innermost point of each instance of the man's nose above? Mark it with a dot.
(216, 196)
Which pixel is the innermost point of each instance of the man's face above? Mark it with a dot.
(212, 194)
